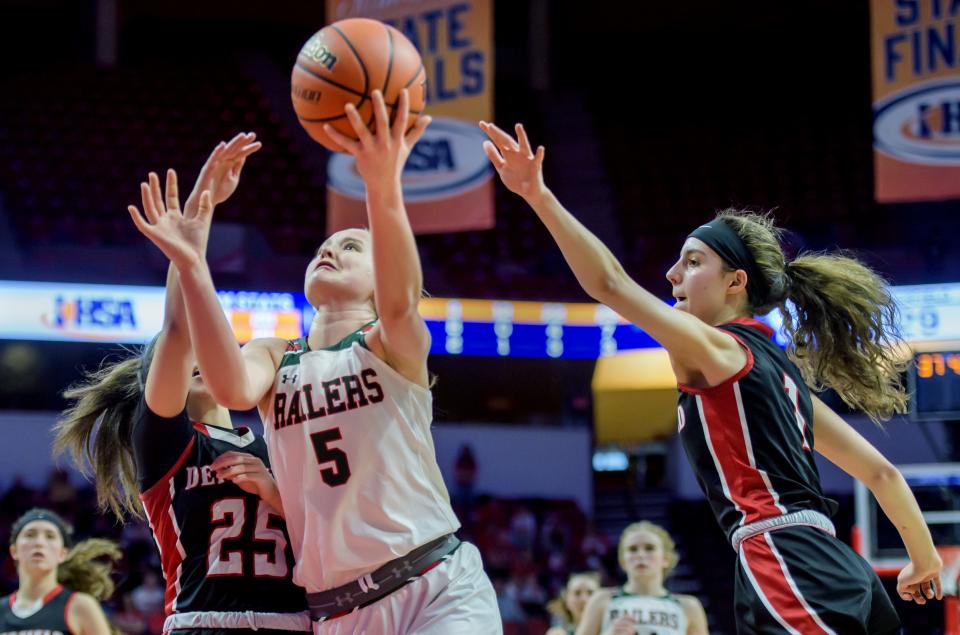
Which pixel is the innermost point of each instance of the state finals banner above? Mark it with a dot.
(916, 99)
(447, 181)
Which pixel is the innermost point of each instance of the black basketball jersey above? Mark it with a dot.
(750, 439)
(51, 619)
(221, 548)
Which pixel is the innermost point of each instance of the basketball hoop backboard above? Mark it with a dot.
(937, 488)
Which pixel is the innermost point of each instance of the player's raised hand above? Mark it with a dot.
(182, 240)
(221, 172)
(380, 155)
(519, 167)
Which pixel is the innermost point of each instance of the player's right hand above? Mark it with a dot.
(181, 239)
(519, 167)
(379, 156)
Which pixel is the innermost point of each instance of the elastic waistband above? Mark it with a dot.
(367, 589)
(805, 517)
(252, 620)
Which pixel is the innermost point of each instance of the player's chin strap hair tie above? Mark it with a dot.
(724, 240)
(66, 531)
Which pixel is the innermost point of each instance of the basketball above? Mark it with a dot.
(345, 62)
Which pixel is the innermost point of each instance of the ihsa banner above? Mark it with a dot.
(447, 182)
(916, 99)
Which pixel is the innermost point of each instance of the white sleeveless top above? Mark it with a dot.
(350, 446)
(654, 615)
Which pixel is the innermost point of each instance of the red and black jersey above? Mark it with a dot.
(750, 439)
(50, 619)
(221, 548)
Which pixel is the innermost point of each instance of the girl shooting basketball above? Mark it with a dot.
(59, 583)
(165, 447)
(347, 414)
(643, 606)
(746, 416)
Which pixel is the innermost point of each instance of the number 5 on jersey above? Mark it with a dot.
(339, 472)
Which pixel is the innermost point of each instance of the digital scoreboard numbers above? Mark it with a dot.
(935, 385)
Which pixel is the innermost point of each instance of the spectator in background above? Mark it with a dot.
(510, 611)
(555, 534)
(524, 586)
(567, 609)
(148, 597)
(464, 478)
(61, 494)
(19, 496)
(129, 620)
(594, 549)
(523, 528)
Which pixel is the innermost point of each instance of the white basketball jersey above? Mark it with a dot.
(653, 615)
(350, 446)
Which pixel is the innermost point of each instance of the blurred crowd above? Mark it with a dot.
(529, 547)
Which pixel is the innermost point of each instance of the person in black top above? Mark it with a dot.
(746, 416)
(60, 584)
(165, 449)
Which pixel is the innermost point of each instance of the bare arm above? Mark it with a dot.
(398, 279)
(85, 616)
(592, 618)
(691, 343)
(696, 617)
(849, 451)
(169, 378)
(168, 381)
(237, 380)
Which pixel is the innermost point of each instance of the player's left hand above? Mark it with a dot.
(220, 174)
(247, 472)
(920, 583)
(380, 155)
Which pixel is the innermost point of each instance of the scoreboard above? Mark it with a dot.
(935, 385)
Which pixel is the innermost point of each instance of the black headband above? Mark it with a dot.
(724, 240)
(66, 532)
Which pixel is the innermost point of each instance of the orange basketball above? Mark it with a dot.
(345, 62)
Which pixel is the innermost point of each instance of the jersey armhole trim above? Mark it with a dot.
(173, 470)
(52, 593)
(729, 381)
(66, 611)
